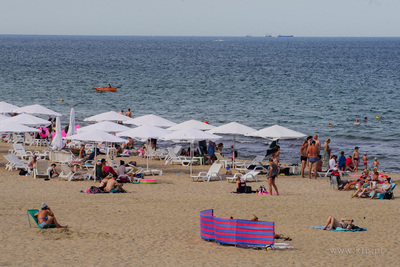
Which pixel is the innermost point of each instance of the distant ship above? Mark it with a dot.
(248, 35)
(268, 35)
(280, 35)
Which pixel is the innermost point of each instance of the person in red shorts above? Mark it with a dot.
(349, 164)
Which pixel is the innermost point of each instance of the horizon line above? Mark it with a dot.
(196, 36)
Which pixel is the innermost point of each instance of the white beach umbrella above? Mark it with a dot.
(108, 116)
(105, 126)
(145, 132)
(57, 143)
(277, 132)
(3, 117)
(152, 120)
(191, 136)
(232, 128)
(38, 110)
(96, 136)
(6, 107)
(13, 127)
(71, 127)
(29, 120)
(191, 124)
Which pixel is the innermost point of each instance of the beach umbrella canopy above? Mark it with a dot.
(13, 127)
(96, 136)
(145, 132)
(191, 124)
(191, 135)
(71, 127)
(277, 132)
(3, 117)
(108, 116)
(232, 128)
(29, 120)
(152, 120)
(57, 143)
(38, 110)
(105, 126)
(6, 107)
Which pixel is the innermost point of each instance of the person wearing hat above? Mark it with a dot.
(356, 158)
(46, 216)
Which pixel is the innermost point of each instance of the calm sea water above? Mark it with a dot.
(299, 83)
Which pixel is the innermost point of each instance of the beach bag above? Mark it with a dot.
(94, 190)
(388, 195)
(23, 172)
(247, 189)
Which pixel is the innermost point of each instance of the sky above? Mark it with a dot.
(308, 18)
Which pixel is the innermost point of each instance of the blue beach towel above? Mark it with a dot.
(340, 229)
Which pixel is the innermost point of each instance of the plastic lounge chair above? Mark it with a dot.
(42, 169)
(233, 178)
(380, 195)
(32, 213)
(19, 150)
(173, 158)
(324, 174)
(15, 162)
(213, 172)
(257, 162)
(252, 175)
(67, 173)
(220, 159)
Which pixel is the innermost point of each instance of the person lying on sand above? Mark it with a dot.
(359, 182)
(46, 216)
(113, 186)
(276, 236)
(334, 223)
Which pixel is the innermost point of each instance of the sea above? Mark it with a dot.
(299, 83)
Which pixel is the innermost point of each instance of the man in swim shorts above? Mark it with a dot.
(303, 155)
(46, 216)
(113, 186)
(356, 158)
(312, 153)
(317, 143)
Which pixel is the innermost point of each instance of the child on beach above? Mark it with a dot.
(375, 165)
(53, 172)
(365, 160)
(273, 172)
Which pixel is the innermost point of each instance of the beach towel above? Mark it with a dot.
(341, 229)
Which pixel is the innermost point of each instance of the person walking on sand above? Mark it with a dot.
(317, 143)
(273, 173)
(356, 158)
(312, 153)
(46, 216)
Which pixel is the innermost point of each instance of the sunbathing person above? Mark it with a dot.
(359, 182)
(240, 185)
(46, 216)
(121, 170)
(32, 163)
(333, 223)
(276, 236)
(385, 188)
(365, 188)
(53, 172)
(103, 184)
(113, 186)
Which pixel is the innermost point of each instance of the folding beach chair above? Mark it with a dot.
(32, 213)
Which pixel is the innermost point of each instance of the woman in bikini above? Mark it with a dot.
(46, 216)
(335, 223)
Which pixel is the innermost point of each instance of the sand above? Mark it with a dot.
(156, 225)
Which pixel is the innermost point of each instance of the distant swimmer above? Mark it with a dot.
(365, 119)
(357, 123)
(109, 86)
(330, 124)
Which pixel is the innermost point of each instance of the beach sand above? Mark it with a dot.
(156, 225)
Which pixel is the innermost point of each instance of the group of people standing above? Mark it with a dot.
(310, 155)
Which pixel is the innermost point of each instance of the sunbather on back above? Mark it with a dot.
(334, 223)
